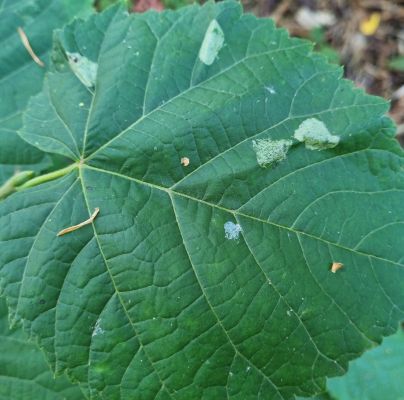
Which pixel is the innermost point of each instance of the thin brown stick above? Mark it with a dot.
(25, 42)
(80, 225)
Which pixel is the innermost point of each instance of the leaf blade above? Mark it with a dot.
(204, 313)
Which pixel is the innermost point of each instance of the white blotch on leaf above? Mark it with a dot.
(97, 329)
(270, 89)
(315, 135)
(270, 151)
(232, 230)
(83, 68)
(185, 161)
(212, 43)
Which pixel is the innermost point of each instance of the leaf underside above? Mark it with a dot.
(211, 280)
(20, 77)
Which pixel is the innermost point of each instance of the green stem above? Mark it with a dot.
(48, 177)
(10, 186)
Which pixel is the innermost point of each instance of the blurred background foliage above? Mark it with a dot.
(365, 36)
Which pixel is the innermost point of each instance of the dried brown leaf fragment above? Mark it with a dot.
(25, 42)
(81, 224)
(336, 266)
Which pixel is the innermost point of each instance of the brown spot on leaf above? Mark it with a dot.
(336, 266)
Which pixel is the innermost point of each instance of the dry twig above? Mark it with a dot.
(80, 225)
(25, 42)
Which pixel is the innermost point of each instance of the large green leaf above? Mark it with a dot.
(20, 77)
(24, 374)
(210, 280)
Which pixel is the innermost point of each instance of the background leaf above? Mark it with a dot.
(378, 374)
(20, 77)
(210, 280)
(24, 374)
(397, 63)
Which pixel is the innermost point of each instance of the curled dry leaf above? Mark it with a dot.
(369, 26)
(26, 44)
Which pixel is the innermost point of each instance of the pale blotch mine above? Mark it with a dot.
(212, 43)
(83, 68)
(270, 151)
(270, 89)
(315, 135)
(232, 231)
(97, 329)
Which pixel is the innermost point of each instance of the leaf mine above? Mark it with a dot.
(315, 135)
(83, 68)
(270, 151)
(212, 43)
(232, 231)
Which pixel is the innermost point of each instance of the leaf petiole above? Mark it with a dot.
(47, 177)
(10, 186)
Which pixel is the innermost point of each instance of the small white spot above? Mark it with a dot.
(315, 135)
(231, 374)
(270, 151)
(248, 368)
(232, 230)
(270, 89)
(83, 68)
(97, 329)
(212, 43)
(289, 313)
(81, 104)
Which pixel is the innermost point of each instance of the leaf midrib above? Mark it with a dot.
(242, 214)
(118, 293)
